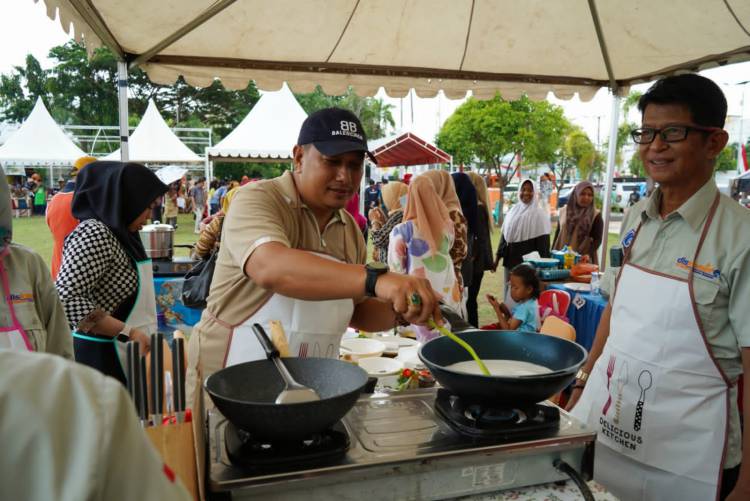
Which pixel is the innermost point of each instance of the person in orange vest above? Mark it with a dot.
(60, 216)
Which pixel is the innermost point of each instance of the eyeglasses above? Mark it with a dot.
(668, 134)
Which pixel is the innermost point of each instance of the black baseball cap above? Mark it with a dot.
(334, 131)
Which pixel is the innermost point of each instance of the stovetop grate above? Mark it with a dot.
(260, 456)
(479, 421)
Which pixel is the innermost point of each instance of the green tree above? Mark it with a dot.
(581, 153)
(82, 90)
(495, 131)
(376, 116)
(636, 167)
(727, 159)
(234, 171)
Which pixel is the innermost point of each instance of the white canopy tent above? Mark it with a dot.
(39, 141)
(154, 142)
(482, 46)
(267, 133)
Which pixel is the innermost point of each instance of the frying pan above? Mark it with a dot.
(563, 357)
(245, 394)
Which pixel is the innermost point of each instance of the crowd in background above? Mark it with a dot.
(439, 226)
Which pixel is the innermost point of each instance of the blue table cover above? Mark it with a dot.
(170, 310)
(586, 319)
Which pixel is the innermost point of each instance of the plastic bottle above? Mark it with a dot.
(570, 259)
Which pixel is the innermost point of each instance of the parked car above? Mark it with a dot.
(563, 195)
(625, 194)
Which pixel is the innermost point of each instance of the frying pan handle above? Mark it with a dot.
(565, 468)
(265, 342)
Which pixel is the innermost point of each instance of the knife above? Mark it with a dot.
(178, 378)
(143, 392)
(157, 378)
(132, 367)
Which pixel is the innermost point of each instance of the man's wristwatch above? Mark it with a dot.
(374, 270)
(582, 376)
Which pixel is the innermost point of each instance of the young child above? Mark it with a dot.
(524, 289)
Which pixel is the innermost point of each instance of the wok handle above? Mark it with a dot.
(265, 342)
(565, 468)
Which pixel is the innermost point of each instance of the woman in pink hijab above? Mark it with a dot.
(352, 207)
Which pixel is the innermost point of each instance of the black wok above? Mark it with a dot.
(563, 357)
(245, 394)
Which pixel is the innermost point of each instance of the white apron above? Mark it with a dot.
(657, 398)
(13, 337)
(313, 328)
(92, 349)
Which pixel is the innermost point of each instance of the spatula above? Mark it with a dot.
(464, 344)
(294, 393)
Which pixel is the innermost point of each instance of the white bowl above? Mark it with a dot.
(362, 348)
(409, 356)
(381, 366)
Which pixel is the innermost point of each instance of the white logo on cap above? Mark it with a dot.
(347, 129)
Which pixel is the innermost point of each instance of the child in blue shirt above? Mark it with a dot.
(524, 289)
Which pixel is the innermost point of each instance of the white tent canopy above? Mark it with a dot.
(39, 141)
(485, 46)
(153, 141)
(267, 133)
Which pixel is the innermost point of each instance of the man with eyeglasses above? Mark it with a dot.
(660, 385)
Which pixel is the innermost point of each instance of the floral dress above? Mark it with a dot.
(460, 247)
(409, 253)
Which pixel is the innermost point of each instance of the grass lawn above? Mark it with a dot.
(33, 232)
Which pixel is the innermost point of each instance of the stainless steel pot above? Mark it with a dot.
(158, 240)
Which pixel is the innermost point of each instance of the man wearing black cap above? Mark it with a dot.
(291, 253)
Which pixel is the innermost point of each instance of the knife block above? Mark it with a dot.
(174, 442)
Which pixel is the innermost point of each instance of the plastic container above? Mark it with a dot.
(570, 260)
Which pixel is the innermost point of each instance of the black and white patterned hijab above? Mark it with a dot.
(116, 193)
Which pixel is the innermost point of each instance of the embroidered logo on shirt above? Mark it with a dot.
(705, 270)
(628, 240)
(24, 297)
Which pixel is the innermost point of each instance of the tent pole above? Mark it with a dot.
(611, 153)
(122, 105)
(206, 170)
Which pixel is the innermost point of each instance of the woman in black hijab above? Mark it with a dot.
(467, 196)
(106, 281)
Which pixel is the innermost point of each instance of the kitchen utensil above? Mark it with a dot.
(622, 380)
(143, 393)
(245, 394)
(462, 343)
(158, 240)
(562, 357)
(278, 337)
(169, 393)
(294, 393)
(157, 378)
(132, 366)
(178, 369)
(610, 372)
(644, 381)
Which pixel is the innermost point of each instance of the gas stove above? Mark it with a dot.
(420, 444)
